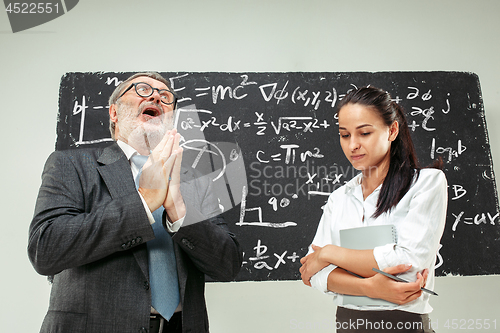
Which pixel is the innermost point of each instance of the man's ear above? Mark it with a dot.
(393, 131)
(113, 116)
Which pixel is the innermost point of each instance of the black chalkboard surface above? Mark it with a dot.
(271, 142)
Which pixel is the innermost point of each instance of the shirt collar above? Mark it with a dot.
(353, 183)
(353, 187)
(127, 149)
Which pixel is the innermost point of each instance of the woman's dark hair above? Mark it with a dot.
(403, 164)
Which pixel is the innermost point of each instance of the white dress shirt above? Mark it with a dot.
(419, 220)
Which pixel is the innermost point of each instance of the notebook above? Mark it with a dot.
(367, 238)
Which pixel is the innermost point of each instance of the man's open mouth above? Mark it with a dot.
(151, 111)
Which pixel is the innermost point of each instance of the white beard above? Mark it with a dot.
(144, 137)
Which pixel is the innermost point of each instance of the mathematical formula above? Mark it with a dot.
(285, 127)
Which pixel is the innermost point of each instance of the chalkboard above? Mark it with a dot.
(280, 133)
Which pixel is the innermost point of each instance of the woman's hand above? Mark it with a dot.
(380, 286)
(313, 263)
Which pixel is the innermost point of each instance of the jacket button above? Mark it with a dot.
(138, 240)
(124, 246)
(143, 330)
(146, 285)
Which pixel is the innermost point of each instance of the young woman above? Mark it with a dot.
(391, 189)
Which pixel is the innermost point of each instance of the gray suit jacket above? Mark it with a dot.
(90, 230)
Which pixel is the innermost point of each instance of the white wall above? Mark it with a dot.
(243, 36)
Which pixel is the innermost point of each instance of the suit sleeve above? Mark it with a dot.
(79, 220)
(204, 235)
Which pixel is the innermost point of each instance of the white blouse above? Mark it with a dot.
(419, 219)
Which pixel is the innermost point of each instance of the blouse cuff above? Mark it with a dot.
(385, 256)
(319, 280)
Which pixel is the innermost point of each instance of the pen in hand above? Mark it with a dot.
(395, 278)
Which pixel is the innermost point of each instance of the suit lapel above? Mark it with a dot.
(115, 171)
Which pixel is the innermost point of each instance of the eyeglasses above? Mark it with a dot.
(145, 90)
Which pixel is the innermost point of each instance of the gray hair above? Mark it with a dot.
(122, 86)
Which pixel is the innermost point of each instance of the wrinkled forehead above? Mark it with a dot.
(152, 82)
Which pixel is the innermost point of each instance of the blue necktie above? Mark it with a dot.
(162, 265)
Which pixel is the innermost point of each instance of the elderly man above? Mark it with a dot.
(125, 233)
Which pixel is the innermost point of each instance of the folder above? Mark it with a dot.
(367, 238)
